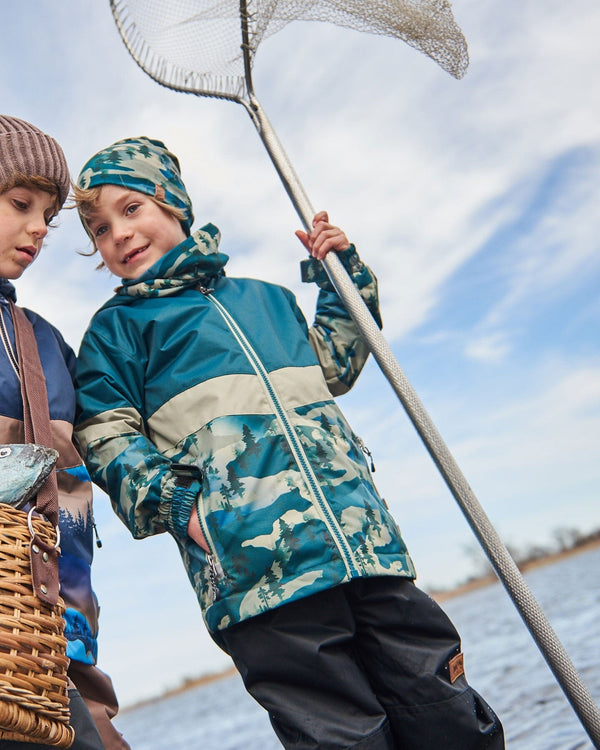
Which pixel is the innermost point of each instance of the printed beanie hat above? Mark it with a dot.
(26, 150)
(140, 164)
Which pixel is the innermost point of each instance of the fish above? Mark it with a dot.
(23, 469)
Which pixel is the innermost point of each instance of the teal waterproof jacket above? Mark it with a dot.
(200, 392)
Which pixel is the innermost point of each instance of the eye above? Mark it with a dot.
(132, 208)
(20, 205)
(99, 231)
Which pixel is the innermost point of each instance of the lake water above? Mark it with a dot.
(502, 663)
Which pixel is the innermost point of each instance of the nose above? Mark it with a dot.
(38, 227)
(122, 232)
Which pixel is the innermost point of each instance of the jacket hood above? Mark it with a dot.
(7, 290)
(194, 261)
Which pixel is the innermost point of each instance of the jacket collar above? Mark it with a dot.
(7, 291)
(194, 261)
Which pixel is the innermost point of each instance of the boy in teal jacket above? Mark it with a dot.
(206, 409)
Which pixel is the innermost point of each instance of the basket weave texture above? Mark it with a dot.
(34, 705)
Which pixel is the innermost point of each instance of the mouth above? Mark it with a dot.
(29, 250)
(133, 254)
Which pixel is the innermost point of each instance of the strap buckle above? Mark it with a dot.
(32, 530)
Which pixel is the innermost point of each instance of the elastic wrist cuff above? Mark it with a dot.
(182, 503)
(312, 270)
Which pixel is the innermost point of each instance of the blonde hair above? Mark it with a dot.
(36, 182)
(85, 200)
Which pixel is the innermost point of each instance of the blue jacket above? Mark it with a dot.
(74, 485)
(185, 366)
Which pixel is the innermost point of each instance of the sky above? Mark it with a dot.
(475, 201)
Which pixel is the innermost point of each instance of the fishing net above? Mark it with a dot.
(208, 46)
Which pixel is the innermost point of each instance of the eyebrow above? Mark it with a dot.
(29, 191)
(123, 198)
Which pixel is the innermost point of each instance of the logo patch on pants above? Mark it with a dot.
(456, 667)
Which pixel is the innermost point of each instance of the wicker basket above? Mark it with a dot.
(34, 705)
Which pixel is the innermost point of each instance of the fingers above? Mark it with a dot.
(321, 216)
(323, 238)
(304, 239)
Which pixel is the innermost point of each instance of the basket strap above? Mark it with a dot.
(36, 420)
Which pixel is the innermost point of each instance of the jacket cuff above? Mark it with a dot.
(182, 503)
(312, 270)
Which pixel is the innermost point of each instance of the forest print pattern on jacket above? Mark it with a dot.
(185, 365)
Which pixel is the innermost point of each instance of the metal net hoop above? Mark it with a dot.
(207, 47)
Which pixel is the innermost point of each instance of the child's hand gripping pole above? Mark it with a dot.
(323, 237)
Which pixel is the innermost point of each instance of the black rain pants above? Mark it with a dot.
(373, 664)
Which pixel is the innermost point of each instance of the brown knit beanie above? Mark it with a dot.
(26, 150)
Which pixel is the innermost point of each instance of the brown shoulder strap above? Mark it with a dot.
(36, 419)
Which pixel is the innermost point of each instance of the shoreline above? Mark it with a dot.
(487, 580)
(438, 596)
(186, 685)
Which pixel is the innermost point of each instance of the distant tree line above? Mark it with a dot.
(563, 540)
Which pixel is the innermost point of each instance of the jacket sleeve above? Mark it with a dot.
(334, 336)
(144, 491)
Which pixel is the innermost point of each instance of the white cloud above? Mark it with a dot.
(489, 348)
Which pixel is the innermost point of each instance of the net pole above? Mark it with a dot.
(505, 567)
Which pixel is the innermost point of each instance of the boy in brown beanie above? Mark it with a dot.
(34, 184)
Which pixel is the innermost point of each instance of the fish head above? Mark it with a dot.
(23, 469)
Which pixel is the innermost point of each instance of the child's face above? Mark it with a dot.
(131, 232)
(25, 213)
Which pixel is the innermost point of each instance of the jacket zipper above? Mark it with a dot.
(215, 570)
(292, 439)
(10, 352)
(215, 574)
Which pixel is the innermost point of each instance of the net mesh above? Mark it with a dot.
(197, 45)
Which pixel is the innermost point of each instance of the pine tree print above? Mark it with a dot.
(207, 465)
(275, 587)
(263, 596)
(322, 455)
(252, 446)
(325, 423)
(225, 492)
(371, 522)
(287, 536)
(236, 486)
(364, 556)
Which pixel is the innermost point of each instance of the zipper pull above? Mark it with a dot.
(205, 290)
(367, 453)
(98, 540)
(215, 572)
